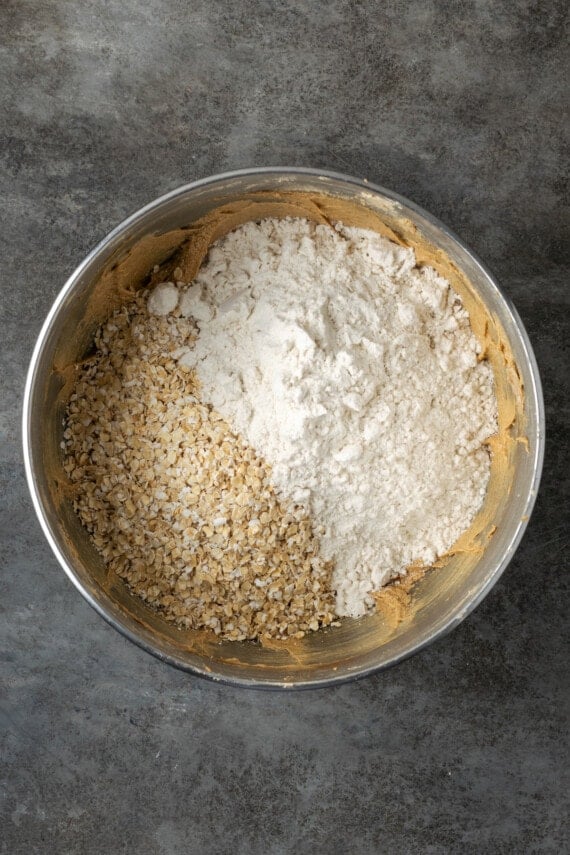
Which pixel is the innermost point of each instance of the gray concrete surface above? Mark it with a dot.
(106, 104)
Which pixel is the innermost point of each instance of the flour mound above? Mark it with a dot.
(354, 373)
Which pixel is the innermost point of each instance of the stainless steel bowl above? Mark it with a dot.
(439, 601)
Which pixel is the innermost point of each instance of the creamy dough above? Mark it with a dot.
(187, 247)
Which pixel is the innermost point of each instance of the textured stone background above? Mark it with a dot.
(106, 104)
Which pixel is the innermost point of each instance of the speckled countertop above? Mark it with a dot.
(105, 105)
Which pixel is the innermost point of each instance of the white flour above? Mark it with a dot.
(355, 375)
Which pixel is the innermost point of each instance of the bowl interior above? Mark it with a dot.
(408, 617)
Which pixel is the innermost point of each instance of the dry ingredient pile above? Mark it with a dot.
(259, 451)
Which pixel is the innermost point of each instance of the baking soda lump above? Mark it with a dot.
(355, 375)
(163, 299)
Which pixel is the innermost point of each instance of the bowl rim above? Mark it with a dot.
(535, 394)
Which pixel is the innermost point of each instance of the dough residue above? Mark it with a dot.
(186, 246)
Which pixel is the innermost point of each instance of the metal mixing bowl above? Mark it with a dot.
(439, 601)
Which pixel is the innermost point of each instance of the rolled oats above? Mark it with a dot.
(179, 506)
